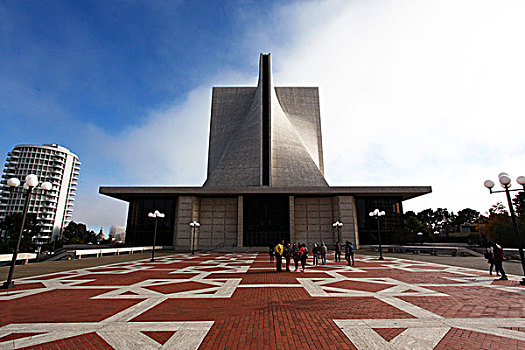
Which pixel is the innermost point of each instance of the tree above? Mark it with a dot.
(427, 217)
(10, 228)
(77, 233)
(519, 204)
(498, 227)
(467, 216)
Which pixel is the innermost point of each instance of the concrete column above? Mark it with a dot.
(356, 230)
(292, 218)
(240, 222)
(347, 215)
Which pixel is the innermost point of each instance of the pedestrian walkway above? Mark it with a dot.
(231, 301)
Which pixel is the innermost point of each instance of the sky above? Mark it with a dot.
(417, 92)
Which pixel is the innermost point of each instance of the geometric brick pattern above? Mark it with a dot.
(216, 301)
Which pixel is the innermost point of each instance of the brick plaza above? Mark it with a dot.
(232, 301)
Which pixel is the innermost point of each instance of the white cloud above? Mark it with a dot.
(415, 92)
(412, 93)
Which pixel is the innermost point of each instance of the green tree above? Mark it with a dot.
(77, 233)
(498, 227)
(467, 216)
(10, 227)
(519, 204)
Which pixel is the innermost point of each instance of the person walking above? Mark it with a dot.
(489, 255)
(338, 251)
(498, 260)
(279, 250)
(315, 252)
(287, 256)
(271, 252)
(349, 253)
(304, 256)
(295, 256)
(324, 251)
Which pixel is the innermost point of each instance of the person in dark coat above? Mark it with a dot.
(489, 255)
(296, 256)
(349, 252)
(287, 256)
(315, 252)
(338, 251)
(271, 252)
(498, 260)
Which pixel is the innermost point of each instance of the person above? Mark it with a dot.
(295, 256)
(349, 252)
(279, 250)
(304, 255)
(489, 255)
(315, 252)
(324, 251)
(271, 251)
(287, 256)
(337, 251)
(498, 260)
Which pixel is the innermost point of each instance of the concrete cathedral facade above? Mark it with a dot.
(265, 181)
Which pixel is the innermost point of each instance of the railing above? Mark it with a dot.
(116, 251)
(20, 256)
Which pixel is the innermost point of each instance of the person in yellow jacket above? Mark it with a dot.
(279, 250)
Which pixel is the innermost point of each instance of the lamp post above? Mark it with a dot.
(505, 182)
(30, 183)
(155, 215)
(194, 226)
(338, 226)
(377, 214)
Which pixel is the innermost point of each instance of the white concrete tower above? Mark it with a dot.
(51, 163)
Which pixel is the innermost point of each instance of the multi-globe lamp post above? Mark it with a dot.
(155, 215)
(338, 226)
(377, 214)
(194, 226)
(506, 182)
(31, 182)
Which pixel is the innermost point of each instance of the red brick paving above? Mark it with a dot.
(160, 337)
(61, 306)
(127, 279)
(268, 317)
(362, 286)
(471, 302)
(463, 339)
(26, 286)
(405, 276)
(389, 333)
(179, 287)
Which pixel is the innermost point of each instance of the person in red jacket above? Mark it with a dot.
(498, 260)
(304, 255)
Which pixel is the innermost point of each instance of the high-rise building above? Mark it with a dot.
(117, 233)
(51, 163)
(265, 181)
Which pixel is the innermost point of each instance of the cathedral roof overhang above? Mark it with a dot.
(133, 193)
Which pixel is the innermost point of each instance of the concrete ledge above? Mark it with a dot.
(20, 256)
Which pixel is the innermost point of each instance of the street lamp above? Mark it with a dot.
(30, 183)
(505, 182)
(377, 214)
(194, 226)
(338, 226)
(155, 215)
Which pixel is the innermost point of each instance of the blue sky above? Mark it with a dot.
(412, 92)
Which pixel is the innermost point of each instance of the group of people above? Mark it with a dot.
(495, 257)
(299, 254)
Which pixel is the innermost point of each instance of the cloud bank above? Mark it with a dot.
(412, 93)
